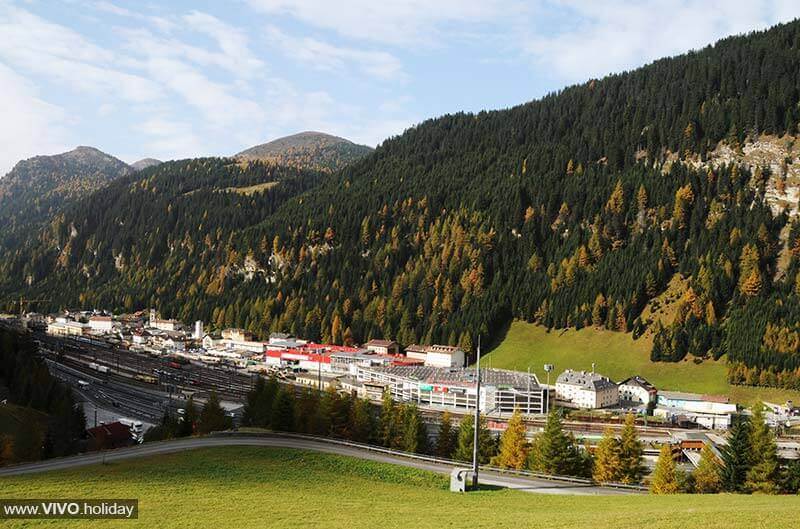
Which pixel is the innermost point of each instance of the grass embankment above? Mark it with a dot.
(12, 417)
(618, 356)
(241, 487)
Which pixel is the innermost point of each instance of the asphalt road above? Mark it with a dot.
(513, 482)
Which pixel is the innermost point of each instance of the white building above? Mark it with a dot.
(637, 389)
(587, 390)
(437, 355)
(451, 388)
(101, 324)
(383, 347)
(68, 328)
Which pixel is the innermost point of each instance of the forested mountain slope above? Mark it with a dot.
(573, 210)
(38, 187)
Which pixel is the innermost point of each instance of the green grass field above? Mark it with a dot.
(241, 487)
(618, 356)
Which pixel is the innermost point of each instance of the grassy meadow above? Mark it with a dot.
(618, 356)
(240, 487)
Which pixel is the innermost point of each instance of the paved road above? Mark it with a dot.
(167, 447)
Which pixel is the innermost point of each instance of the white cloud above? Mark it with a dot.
(395, 22)
(30, 126)
(615, 35)
(35, 45)
(328, 57)
(231, 41)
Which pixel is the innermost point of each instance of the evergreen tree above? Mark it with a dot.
(361, 423)
(607, 462)
(514, 446)
(707, 475)
(736, 456)
(665, 480)
(465, 441)
(389, 429)
(445, 440)
(283, 411)
(764, 471)
(189, 424)
(415, 435)
(212, 416)
(630, 452)
(555, 452)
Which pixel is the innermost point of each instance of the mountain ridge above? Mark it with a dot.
(311, 149)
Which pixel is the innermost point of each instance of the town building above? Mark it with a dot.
(437, 355)
(710, 411)
(637, 389)
(101, 324)
(587, 390)
(456, 388)
(67, 328)
(383, 347)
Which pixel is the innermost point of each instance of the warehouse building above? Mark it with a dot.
(455, 388)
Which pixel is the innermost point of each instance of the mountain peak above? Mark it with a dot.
(308, 149)
(144, 163)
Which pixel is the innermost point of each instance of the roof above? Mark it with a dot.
(636, 380)
(460, 376)
(380, 343)
(116, 431)
(100, 318)
(586, 380)
(679, 395)
(435, 348)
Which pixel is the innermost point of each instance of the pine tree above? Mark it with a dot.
(212, 416)
(736, 456)
(464, 444)
(513, 444)
(361, 424)
(445, 441)
(189, 424)
(389, 429)
(763, 474)
(607, 459)
(706, 476)
(553, 451)
(415, 435)
(283, 411)
(665, 480)
(631, 451)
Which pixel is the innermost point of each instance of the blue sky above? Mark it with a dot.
(179, 79)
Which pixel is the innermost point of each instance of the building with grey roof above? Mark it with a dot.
(455, 388)
(585, 389)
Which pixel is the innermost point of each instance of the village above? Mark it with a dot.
(433, 376)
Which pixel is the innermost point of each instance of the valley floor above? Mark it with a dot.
(268, 487)
(618, 356)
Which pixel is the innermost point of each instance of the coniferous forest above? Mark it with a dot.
(574, 210)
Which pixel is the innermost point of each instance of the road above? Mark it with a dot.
(277, 441)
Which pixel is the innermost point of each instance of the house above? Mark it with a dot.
(637, 389)
(587, 390)
(111, 435)
(437, 355)
(383, 347)
(693, 402)
(101, 324)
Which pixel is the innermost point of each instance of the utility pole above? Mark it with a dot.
(477, 425)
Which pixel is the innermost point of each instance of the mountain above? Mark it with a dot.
(144, 163)
(38, 187)
(577, 209)
(310, 150)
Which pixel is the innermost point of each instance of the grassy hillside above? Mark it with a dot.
(11, 417)
(248, 487)
(618, 356)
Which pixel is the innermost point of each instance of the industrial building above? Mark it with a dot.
(455, 388)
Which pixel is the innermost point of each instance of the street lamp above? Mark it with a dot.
(476, 426)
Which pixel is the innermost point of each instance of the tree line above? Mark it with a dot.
(29, 384)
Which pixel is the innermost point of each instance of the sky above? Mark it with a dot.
(179, 79)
